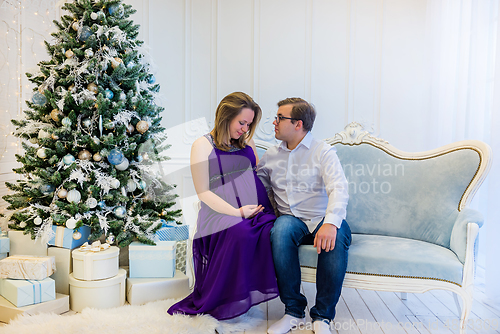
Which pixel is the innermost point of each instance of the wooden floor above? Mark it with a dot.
(367, 312)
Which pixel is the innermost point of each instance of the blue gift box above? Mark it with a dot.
(170, 231)
(4, 245)
(152, 261)
(64, 236)
(22, 292)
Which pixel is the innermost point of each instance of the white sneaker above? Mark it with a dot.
(285, 324)
(321, 327)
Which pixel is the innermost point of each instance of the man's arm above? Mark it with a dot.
(263, 172)
(337, 189)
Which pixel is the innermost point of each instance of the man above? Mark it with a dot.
(310, 190)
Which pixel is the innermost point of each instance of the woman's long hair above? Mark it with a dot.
(230, 107)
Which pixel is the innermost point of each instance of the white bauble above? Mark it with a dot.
(41, 153)
(22, 224)
(123, 165)
(74, 196)
(91, 202)
(115, 183)
(38, 221)
(93, 16)
(131, 186)
(43, 134)
(71, 223)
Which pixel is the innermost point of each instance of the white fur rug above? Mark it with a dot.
(150, 318)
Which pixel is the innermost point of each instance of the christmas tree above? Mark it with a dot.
(92, 134)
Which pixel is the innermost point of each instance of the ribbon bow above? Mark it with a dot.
(95, 247)
(169, 223)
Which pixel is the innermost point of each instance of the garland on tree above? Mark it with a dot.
(93, 134)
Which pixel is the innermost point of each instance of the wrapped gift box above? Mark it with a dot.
(64, 237)
(152, 261)
(171, 231)
(64, 265)
(4, 244)
(144, 290)
(89, 265)
(9, 312)
(22, 292)
(27, 267)
(22, 244)
(106, 293)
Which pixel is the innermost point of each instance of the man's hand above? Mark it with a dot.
(325, 238)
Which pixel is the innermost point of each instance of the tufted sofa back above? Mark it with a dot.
(415, 198)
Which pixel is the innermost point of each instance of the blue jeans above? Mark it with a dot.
(287, 235)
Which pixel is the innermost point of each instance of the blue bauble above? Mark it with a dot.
(39, 99)
(108, 93)
(152, 80)
(116, 157)
(68, 159)
(142, 184)
(47, 189)
(116, 10)
(139, 158)
(101, 204)
(85, 34)
(120, 211)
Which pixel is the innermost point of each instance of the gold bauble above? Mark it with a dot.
(116, 62)
(55, 137)
(84, 155)
(69, 54)
(62, 193)
(54, 114)
(92, 87)
(75, 26)
(142, 126)
(97, 157)
(71, 88)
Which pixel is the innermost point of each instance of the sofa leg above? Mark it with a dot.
(465, 310)
(404, 295)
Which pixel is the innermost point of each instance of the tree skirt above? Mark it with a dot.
(148, 319)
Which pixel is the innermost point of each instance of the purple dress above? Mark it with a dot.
(233, 263)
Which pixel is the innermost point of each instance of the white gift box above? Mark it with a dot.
(152, 261)
(9, 312)
(21, 292)
(106, 293)
(27, 267)
(144, 290)
(64, 265)
(22, 244)
(91, 266)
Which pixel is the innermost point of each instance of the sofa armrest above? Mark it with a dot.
(458, 241)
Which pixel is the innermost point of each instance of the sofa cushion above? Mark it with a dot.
(410, 198)
(394, 256)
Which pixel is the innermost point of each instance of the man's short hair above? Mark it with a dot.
(301, 110)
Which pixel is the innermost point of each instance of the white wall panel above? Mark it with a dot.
(404, 108)
(235, 52)
(330, 65)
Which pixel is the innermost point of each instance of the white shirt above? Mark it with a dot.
(308, 182)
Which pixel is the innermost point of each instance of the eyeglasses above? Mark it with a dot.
(279, 118)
